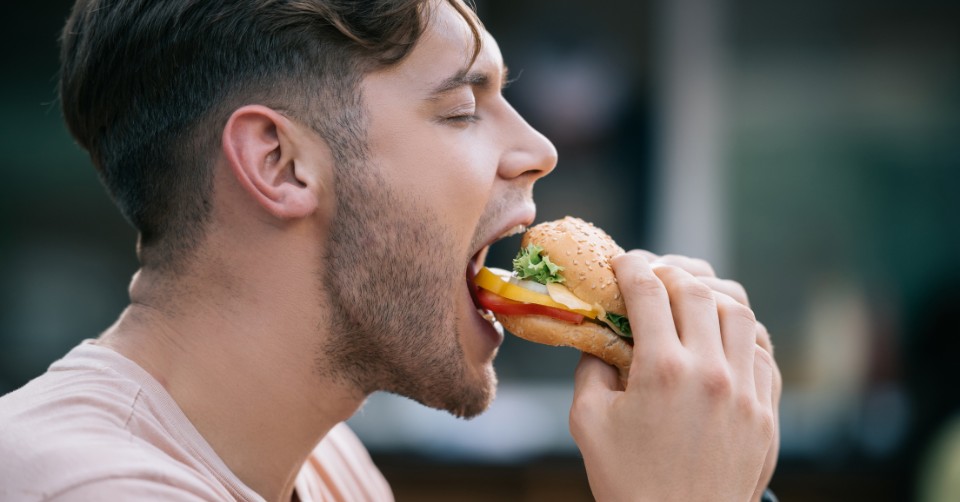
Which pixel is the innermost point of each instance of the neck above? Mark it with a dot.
(242, 368)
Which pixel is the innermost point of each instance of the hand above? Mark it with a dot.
(696, 420)
(705, 273)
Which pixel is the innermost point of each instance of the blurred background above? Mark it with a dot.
(809, 149)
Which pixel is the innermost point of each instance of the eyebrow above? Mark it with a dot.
(465, 77)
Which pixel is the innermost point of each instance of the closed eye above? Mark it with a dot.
(465, 113)
(465, 118)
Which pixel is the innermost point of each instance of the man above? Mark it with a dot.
(312, 181)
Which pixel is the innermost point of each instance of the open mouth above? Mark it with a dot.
(476, 263)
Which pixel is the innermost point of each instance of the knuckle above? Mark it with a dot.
(747, 406)
(691, 287)
(717, 383)
(768, 423)
(737, 291)
(735, 310)
(669, 371)
(639, 283)
(643, 253)
(761, 356)
(576, 422)
(579, 421)
(628, 259)
(695, 266)
(763, 338)
(672, 260)
(704, 267)
(753, 411)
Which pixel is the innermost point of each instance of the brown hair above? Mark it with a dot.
(146, 87)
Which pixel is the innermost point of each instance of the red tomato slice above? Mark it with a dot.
(500, 305)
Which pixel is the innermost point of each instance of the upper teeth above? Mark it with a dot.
(519, 229)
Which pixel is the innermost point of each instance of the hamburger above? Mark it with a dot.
(562, 292)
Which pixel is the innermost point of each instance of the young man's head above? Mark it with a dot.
(378, 123)
(147, 86)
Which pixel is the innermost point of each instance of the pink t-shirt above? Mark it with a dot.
(96, 426)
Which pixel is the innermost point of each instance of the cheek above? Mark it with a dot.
(448, 169)
(462, 171)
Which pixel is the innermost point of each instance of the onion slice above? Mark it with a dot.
(562, 295)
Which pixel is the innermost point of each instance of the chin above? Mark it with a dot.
(473, 392)
(466, 398)
(478, 396)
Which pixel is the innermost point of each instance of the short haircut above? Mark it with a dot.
(147, 86)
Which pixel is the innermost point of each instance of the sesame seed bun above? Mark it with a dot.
(584, 251)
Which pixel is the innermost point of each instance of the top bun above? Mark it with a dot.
(584, 251)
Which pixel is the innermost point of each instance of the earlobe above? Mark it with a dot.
(263, 151)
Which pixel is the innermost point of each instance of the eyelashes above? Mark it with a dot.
(464, 114)
(467, 118)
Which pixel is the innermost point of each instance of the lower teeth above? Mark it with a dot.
(486, 314)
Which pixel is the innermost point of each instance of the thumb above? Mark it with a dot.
(593, 384)
(594, 377)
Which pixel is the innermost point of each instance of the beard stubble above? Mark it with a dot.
(392, 321)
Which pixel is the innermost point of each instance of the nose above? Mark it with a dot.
(529, 153)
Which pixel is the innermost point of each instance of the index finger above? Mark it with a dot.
(648, 305)
(696, 266)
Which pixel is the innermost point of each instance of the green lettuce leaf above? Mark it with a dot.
(621, 322)
(530, 264)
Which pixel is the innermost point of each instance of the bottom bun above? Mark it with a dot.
(586, 337)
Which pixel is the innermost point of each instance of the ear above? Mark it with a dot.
(267, 154)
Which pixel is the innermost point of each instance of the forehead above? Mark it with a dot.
(446, 48)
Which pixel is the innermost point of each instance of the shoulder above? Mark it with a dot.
(75, 393)
(57, 413)
(67, 435)
(79, 464)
